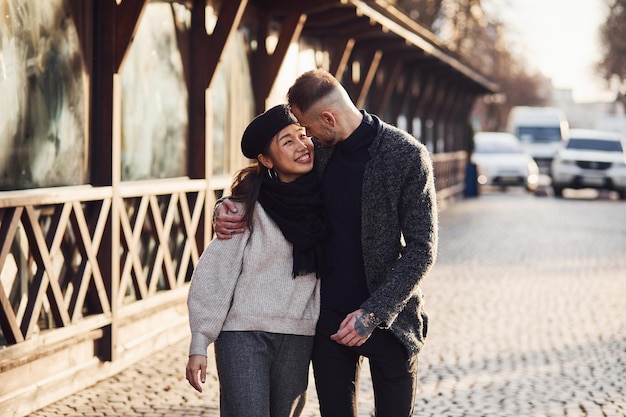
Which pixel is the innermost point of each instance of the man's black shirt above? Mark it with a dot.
(344, 288)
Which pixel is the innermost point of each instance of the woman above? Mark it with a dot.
(257, 295)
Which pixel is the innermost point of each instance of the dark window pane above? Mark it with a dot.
(595, 145)
(539, 134)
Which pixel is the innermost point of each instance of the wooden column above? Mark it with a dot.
(114, 27)
(101, 158)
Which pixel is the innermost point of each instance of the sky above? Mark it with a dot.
(560, 39)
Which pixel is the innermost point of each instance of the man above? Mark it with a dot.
(378, 190)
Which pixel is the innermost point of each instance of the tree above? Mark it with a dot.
(425, 12)
(479, 40)
(613, 37)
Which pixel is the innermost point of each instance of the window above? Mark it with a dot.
(539, 134)
(154, 100)
(595, 145)
(43, 96)
(232, 107)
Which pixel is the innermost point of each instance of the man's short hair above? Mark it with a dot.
(309, 88)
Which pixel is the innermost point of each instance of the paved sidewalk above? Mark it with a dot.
(527, 319)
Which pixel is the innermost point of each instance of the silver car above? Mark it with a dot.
(501, 161)
(590, 159)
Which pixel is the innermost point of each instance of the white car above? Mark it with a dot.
(591, 159)
(540, 130)
(501, 161)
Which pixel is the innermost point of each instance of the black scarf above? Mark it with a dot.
(298, 210)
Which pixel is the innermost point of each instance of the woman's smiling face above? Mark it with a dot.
(290, 153)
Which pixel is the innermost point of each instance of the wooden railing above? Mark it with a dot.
(92, 279)
(449, 175)
(49, 245)
(52, 251)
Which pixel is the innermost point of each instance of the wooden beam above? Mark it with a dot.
(127, 16)
(445, 114)
(425, 96)
(101, 158)
(82, 13)
(9, 223)
(228, 21)
(182, 41)
(289, 32)
(197, 65)
(388, 87)
(406, 104)
(44, 279)
(341, 56)
(434, 107)
(91, 272)
(264, 66)
(366, 83)
(258, 62)
(8, 322)
(464, 104)
(205, 54)
(132, 236)
(101, 153)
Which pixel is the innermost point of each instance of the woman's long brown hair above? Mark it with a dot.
(245, 188)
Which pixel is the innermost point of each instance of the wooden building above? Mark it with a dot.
(120, 124)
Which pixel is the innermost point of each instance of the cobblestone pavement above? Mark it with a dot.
(527, 319)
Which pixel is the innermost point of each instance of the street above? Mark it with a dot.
(527, 319)
(527, 309)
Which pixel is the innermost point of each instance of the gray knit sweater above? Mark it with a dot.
(246, 283)
(399, 231)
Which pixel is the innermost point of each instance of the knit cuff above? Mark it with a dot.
(199, 344)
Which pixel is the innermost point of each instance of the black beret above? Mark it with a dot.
(263, 128)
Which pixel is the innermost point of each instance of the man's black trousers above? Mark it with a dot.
(336, 368)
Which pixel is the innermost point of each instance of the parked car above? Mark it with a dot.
(591, 159)
(501, 161)
(540, 130)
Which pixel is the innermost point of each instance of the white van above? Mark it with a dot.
(541, 131)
